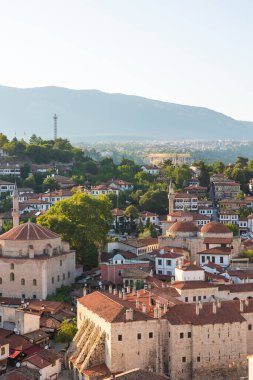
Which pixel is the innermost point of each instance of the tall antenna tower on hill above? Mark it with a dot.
(55, 126)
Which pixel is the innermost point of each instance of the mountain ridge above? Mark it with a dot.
(94, 112)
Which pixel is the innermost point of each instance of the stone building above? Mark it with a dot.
(34, 261)
(212, 235)
(145, 330)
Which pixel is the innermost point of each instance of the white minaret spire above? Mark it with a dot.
(15, 209)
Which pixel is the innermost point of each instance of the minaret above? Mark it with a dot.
(15, 209)
(171, 197)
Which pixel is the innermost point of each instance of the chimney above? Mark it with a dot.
(115, 291)
(138, 294)
(246, 302)
(162, 251)
(195, 262)
(197, 308)
(163, 285)
(124, 297)
(214, 308)
(200, 305)
(150, 299)
(128, 289)
(155, 312)
(219, 304)
(137, 304)
(144, 308)
(159, 312)
(129, 315)
(133, 291)
(84, 291)
(241, 306)
(165, 308)
(110, 289)
(172, 280)
(120, 294)
(180, 264)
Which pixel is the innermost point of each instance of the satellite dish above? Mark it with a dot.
(17, 364)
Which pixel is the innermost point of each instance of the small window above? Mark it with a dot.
(194, 298)
(181, 335)
(1, 280)
(58, 278)
(52, 280)
(189, 334)
(249, 327)
(183, 359)
(60, 263)
(34, 282)
(150, 335)
(204, 297)
(68, 274)
(186, 299)
(11, 266)
(159, 262)
(2, 350)
(63, 276)
(120, 338)
(199, 298)
(22, 281)
(139, 336)
(198, 359)
(23, 295)
(221, 260)
(34, 296)
(12, 277)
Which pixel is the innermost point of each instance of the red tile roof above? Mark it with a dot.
(217, 240)
(192, 285)
(182, 314)
(187, 267)
(110, 307)
(216, 251)
(215, 228)
(29, 231)
(183, 227)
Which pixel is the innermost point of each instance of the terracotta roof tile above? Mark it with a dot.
(215, 228)
(29, 231)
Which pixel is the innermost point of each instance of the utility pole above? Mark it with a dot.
(55, 127)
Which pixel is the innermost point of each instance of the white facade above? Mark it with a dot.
(166, 263)
(185, 202)
(150, 169)
(220, 259)
(189, 275)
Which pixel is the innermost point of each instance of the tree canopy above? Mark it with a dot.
(83, 221)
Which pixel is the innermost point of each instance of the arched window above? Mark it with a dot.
(34, 282)
(1, 280)
(12, 277)
(22, 281)
(11, 266)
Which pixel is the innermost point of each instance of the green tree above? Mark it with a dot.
(154, 201)
(131, 212)
(83, 221)
(35, 140)
(67, 331)
(233, 228)
(241, 161)
(3, 140)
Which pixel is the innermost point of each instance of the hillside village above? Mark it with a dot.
(123, 271)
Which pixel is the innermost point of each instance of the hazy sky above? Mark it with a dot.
(196, 52)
